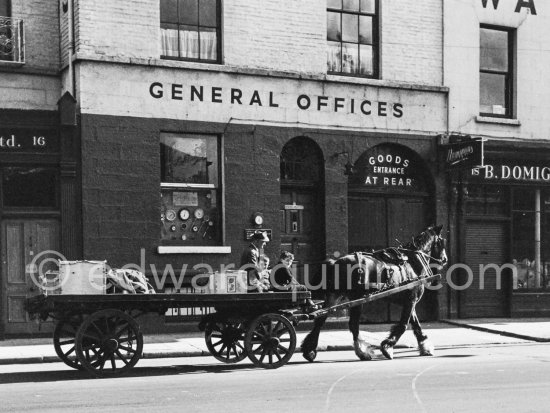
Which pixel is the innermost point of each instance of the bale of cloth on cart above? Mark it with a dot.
(93, 277)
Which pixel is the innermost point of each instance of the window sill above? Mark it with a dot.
(165, 249)
(498, 121)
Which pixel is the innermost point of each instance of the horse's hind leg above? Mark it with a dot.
(425, 347)
(360, 345)
(397, 330)
(309, 345)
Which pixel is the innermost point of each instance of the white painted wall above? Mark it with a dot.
(532, 89)
(123, 90)
(283, 35)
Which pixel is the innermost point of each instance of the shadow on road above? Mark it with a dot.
(63, 375)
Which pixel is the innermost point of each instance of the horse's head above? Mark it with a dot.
(431, 243)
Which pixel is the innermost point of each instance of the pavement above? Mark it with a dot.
(443, 334)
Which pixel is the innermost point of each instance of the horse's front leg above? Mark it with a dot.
(360, 345)
(309, 345)
(397, 330)
(425, 347)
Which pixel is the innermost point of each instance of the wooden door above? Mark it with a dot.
(406, 218)
(367, 223)
(302, 228)
(485, 244)
(25, 246)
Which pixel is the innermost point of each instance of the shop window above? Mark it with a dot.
(352, 36)
(496, 76)
(190, 189)
(29, 187)
(489, 200)
(190, 30)
(531, 237)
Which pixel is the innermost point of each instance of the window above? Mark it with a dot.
(531, 237)
(352, 35)
(190, 189)
(29, 187)
(495, 77)
(190, 29)
(11, 35)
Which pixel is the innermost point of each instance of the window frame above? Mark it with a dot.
(509, 75)
(218, 59)
(375, 41)
(217, 187)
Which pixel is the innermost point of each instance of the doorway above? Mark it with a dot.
(28, 248)
(302, 205)
(390, 197)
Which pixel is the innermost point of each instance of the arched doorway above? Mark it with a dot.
(390, 198)
(302, 203)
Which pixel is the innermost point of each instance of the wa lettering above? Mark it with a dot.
(528, 4)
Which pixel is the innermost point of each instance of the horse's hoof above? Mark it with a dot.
(363, 350)
(387, 351)
(426, 348)
(310, 355)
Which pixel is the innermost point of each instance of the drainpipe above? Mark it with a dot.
(70, 22)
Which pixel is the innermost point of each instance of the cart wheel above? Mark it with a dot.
(64, 341)
(225, 341)
(270, 341)
(109, 343)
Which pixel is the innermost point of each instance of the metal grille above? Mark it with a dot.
(179, 314)
(12, 41)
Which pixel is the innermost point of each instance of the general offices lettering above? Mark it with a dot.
(268, 99)
(529, 4)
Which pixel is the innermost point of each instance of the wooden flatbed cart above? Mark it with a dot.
(100, 334)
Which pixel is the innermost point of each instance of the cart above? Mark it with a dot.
(101, 334)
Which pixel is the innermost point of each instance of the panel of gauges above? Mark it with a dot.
(189, 222)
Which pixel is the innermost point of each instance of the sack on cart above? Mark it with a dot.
(128, 281)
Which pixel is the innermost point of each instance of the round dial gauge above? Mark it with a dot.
(199, 213)
(170, 215)
(184, 214)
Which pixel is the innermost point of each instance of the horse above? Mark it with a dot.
(363, 270)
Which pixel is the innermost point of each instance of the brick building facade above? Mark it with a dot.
(192, 118)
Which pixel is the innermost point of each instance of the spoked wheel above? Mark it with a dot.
(109, 343)
(64, 340)
(225, 341)
(270, 341)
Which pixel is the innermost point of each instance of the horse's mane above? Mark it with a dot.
(420, 242)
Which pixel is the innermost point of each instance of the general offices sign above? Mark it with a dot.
(227, 98)
(254, 98)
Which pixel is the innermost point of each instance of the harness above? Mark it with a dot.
(393, 263)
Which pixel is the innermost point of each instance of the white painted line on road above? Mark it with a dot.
(329, 393)
(415, 393)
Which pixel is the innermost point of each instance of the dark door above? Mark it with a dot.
(24, 247)
(377, 222)
(485, 245)
(302, 228)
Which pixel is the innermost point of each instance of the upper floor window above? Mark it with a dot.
(11, 35)
(496, 76)
(190, 189)
(190, 29)
(352, 35)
